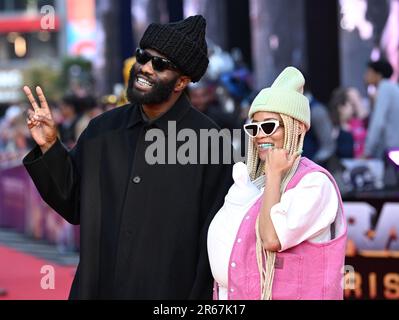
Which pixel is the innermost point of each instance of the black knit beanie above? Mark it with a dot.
(182, 42)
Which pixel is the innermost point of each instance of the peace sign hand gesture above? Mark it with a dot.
(40, 121)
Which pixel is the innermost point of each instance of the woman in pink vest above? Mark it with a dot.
(281, 232)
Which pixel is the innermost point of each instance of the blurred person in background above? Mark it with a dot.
(341, 112)
(319, 145)
(109, 102)
(89, 110)
(238, 85)
(69, 111)
(11, 113)
(122, 98)
(220, 62)
(357, 124)
(16, 140)
(204, 97)
(201, 97)
(235, 88)
(382, 132)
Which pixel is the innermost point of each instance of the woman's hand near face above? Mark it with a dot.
(278, 162)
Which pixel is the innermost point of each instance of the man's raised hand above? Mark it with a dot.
(40, 121)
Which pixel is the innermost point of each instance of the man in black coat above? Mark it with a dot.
(143, 224)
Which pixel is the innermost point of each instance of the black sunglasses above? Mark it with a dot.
(159, 64)
(268, 127)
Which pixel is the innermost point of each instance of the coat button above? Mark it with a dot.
(233, 264)
(239, 240)
(136, 180)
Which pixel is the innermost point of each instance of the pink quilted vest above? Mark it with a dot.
(306, 271)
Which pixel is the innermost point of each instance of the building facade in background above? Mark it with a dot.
(29, 30)
(331, 45)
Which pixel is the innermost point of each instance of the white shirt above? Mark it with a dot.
(303, 213)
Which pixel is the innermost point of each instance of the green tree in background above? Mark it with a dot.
(74, 75)
(76, 72)
(46, 77)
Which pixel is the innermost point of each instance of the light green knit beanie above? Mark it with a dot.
(284, 96)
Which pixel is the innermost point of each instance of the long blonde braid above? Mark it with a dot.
(293, 142)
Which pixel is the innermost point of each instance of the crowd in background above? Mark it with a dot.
(348, 126)
(72, 114)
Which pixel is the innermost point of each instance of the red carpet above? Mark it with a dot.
(20, 276)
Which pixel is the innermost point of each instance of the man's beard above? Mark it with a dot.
(159, 93)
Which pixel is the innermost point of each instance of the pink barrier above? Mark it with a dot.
(372, 261)
(22, 209)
